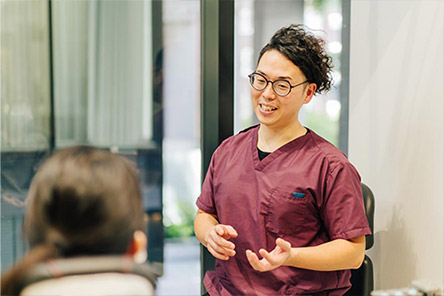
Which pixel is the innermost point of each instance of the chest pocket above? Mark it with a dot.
(291, 212)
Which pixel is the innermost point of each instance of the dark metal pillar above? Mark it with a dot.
(152, 158)
(217, 64)
(52, 132)
(345, 72)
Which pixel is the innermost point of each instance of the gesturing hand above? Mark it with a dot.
(217, 241)
(270, 260)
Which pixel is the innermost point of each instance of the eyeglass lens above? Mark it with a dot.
(281, 87)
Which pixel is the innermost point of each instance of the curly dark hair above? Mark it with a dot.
(305, 51)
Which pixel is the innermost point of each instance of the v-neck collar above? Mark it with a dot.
(293, 144)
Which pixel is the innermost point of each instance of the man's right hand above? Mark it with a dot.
(217, 241)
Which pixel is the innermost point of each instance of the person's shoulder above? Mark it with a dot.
(249, 129)
(333, 155)
(238, 140)
(242, 136)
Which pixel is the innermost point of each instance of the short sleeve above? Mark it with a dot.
(205, 201)
(343, 210)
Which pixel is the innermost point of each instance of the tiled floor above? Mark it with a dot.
(181, 268)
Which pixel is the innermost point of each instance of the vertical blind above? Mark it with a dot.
(102, 74)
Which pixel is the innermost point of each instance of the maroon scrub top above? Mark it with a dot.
(305, 192)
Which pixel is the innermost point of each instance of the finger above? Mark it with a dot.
(263, 253)
(269, 257)
(217, 237)
(220, 229)
(252, 257)
(222, 241)
(217, 254)
(220, 252)
(231, 231)
(254, 260)
(226, 231)
(221, 245)
(221, 249)
(285, 245)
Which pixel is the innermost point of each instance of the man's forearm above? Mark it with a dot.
(202, 225)
(334, 255)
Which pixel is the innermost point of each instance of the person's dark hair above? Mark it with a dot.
(305, 51)
(82, 201)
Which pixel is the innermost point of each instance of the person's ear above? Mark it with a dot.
(137, 248)
(309, 92)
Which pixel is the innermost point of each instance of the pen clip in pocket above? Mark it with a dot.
(298, 194)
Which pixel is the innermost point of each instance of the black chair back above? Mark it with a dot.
(362, 278)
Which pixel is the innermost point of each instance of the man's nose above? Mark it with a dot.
(268, 92)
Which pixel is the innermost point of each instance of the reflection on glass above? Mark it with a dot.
(181, 146)
(25, 100)
(24, 112)
(102, 73)
(105, 74)
(126, 77)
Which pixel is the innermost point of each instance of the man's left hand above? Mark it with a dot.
(271, 260)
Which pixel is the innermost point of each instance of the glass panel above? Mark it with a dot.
(322, 113)
(25, 112)
(103, 90)
(115, 87)
(182, 113)
(102, 66)
(181, 146)
(256, 21)
(25, 95)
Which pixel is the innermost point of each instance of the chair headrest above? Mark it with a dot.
(56, 268)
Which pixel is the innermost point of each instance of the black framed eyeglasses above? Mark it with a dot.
(280, 87)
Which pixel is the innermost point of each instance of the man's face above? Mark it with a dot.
(276, 111)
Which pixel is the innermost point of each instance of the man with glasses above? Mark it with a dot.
(279, 190)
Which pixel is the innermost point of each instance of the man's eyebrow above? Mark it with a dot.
(280, 77)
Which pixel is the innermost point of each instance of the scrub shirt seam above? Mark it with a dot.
(268, 211)
(342, 234)
(202, 204)
(321, 290)
(332, 160)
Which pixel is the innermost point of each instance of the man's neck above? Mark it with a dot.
(270, 139)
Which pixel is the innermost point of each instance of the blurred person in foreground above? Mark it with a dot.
(281, 209)
(83, 203)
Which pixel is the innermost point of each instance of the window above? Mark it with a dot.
(121, 75)
(255, 22)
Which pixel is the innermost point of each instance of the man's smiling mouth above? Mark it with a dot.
(267, 108)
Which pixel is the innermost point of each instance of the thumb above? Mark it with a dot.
(283, 244)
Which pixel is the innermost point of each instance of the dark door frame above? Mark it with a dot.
(217, 82)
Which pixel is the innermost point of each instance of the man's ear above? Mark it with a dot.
(309, 92)
(137, 247)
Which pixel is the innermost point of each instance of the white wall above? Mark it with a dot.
(396, 133)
